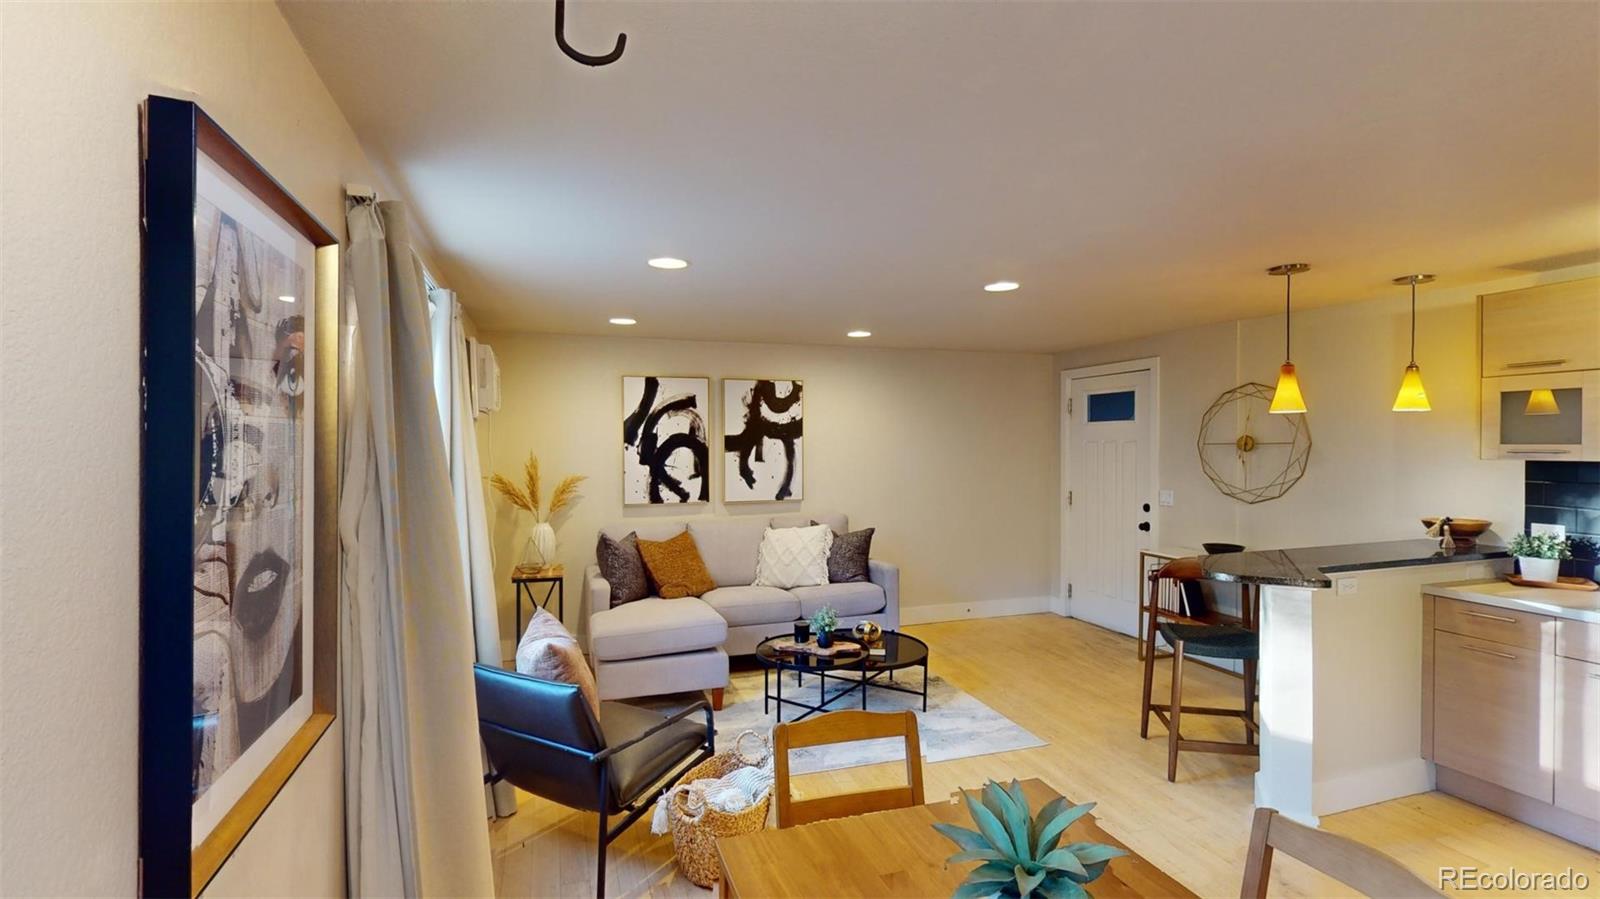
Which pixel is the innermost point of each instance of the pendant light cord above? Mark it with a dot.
(1288, 280)
(1413, 321)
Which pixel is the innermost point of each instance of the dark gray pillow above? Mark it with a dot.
(847, 559)
(623, 568)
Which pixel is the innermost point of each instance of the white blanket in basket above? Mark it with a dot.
(735, 791)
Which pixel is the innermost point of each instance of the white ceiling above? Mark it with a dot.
(828, 166)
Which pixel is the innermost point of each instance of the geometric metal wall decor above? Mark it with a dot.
(1248, 454)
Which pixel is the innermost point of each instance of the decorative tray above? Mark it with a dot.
(1566, 583)
(810, 648)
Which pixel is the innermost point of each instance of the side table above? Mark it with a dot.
(555, 579)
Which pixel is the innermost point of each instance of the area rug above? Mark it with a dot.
(956, 725)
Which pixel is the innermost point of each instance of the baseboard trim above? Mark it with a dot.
(982, 608)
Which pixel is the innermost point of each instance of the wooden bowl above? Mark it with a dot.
(1461, 527)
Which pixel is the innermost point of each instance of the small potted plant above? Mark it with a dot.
(823, 621)
(1021, 852)
(1539, 556)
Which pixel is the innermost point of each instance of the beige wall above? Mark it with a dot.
(951, 456)
(1373, 472)
(74, 77)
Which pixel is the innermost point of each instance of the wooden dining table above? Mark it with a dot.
(898, 853)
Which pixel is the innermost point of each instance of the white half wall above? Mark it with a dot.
(950, 455)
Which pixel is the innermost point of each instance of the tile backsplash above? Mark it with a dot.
(1568, 493)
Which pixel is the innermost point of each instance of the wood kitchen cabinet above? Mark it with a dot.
(1552, 327)
(1511, 712)
(1492, 717)
(1577, 774)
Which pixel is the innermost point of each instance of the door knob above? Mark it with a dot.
(1144, 526)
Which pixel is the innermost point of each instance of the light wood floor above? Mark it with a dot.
(1076, 687)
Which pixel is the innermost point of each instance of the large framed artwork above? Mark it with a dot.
(238, 608)
(763, 439)
(666, 455)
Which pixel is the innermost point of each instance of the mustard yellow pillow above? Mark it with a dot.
(675, 566)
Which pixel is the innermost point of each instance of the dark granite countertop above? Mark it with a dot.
(1311, 566)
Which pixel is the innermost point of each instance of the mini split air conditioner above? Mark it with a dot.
(485, 378)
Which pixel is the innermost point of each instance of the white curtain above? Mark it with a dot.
(466, 483)
(413, 814)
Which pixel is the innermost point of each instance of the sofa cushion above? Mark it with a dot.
(728, 546)
(622, 567)
(740, 606)
(847, 558)
(548, 651)
(654, 626)
(675, 566)
(848, 600)
(794, 557)
(834, 520)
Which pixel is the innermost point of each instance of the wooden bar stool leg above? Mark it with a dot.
(1175, 713)
(1250, 702)
(1149, 676)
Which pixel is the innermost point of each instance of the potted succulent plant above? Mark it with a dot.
(823, 621)
(1021, 853)
(1539, 556)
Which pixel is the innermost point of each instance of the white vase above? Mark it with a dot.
(541, 549)
(1542, 570)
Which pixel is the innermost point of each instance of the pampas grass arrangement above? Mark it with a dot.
(526, 495)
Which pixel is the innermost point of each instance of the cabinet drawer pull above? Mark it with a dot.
(1506, 619)
(1544, 452)
(1488, 652)
(1536, 363)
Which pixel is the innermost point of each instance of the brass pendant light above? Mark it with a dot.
(1286, 398)
(1412, 397)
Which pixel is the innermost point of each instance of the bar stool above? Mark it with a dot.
(1219, 642)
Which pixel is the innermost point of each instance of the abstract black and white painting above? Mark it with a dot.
(252, 492)
(666, 451)
(763, 430)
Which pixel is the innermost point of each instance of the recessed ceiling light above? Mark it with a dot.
(1001, 286)
(668, 262)
(286, 299)
(623, 321)
(859, 334)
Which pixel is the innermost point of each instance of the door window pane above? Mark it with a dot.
(1111, 406)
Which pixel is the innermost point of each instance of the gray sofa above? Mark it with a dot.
(653, 645)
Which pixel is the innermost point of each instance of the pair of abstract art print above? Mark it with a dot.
(666, 448)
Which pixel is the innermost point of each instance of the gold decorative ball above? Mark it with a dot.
(867, 632)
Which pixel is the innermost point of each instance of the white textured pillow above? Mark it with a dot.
(794, 557)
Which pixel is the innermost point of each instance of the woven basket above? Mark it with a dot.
(694, 837)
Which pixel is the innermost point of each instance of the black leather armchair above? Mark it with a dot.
(543, 738)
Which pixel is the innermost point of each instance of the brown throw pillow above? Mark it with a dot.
(623, 568)
(847, 558)
(548, 651)
(676, 567)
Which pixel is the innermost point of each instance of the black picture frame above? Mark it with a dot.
(175, 134)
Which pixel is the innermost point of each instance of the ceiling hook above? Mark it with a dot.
(586, 59)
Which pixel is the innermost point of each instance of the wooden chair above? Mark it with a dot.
(1208, 641)
(845, 727)
(1355, 865)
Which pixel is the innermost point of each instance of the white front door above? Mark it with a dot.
(1110, 510)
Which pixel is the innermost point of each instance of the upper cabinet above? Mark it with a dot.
(1541, 372)
(1553, 327)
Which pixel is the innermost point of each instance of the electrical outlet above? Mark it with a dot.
(1346, 586)
(1558, 531)
(1166, 497)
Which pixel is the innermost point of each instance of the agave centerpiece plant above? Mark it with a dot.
(540, 551)
(1021, 853)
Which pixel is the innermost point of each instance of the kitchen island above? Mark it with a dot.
(1341, 667)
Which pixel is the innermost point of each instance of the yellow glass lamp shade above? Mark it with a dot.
(1542, 402)
(1286, 399)
(1412, 397)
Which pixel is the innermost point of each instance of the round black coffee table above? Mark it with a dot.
(860, 670)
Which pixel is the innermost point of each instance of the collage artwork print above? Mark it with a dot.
(252, 429)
